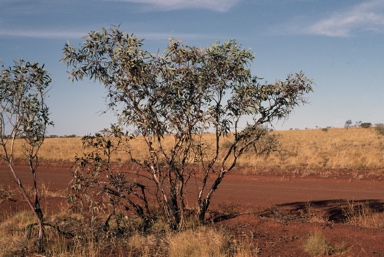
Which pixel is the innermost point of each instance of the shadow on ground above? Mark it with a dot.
(336, 211)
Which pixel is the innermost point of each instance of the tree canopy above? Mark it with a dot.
(184, 93)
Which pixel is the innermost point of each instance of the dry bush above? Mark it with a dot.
(361, 214)
(317, 244)
(201, 242)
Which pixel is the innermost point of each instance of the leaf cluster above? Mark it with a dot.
(24, 113)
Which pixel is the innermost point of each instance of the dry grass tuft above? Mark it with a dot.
(202, 242)
(361, 214)
(13, 241)
(45, 192)
(317, 245)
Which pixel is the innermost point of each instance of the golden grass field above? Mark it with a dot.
(336, 148)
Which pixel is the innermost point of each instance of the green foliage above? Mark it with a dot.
(347, 124)
(366, 125)
(24, 114)
(184, 92)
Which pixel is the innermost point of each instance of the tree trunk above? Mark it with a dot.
(203, 206)
(40, 217)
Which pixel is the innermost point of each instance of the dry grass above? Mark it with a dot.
(6, 192)
(202, 242)
(318, 245)
(361, 214)
(13, 241)
(354, 148)
(56, 150)
(67, 234)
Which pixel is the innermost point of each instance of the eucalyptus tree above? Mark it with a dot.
(348, 124)
(24, 116)
(184, 93)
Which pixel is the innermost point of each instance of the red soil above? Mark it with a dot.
(275, 213)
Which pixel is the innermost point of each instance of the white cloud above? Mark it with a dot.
(215, 5)
(365, 16)
(41, 34)
(47, 34)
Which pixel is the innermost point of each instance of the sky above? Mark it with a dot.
(338, 44)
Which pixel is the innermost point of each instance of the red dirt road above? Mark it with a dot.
(246, 190)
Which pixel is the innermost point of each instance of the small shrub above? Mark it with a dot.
(202, 242)
(380, 130)
(317, 244)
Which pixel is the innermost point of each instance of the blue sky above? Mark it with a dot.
(339, 44)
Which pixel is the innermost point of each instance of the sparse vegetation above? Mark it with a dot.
(317, 244)
(311, 151)
(362, 214)
(67, 236)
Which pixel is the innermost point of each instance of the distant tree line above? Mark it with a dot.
(65, 136)
(361, 124)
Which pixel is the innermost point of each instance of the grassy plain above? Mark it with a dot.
(335, 148)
